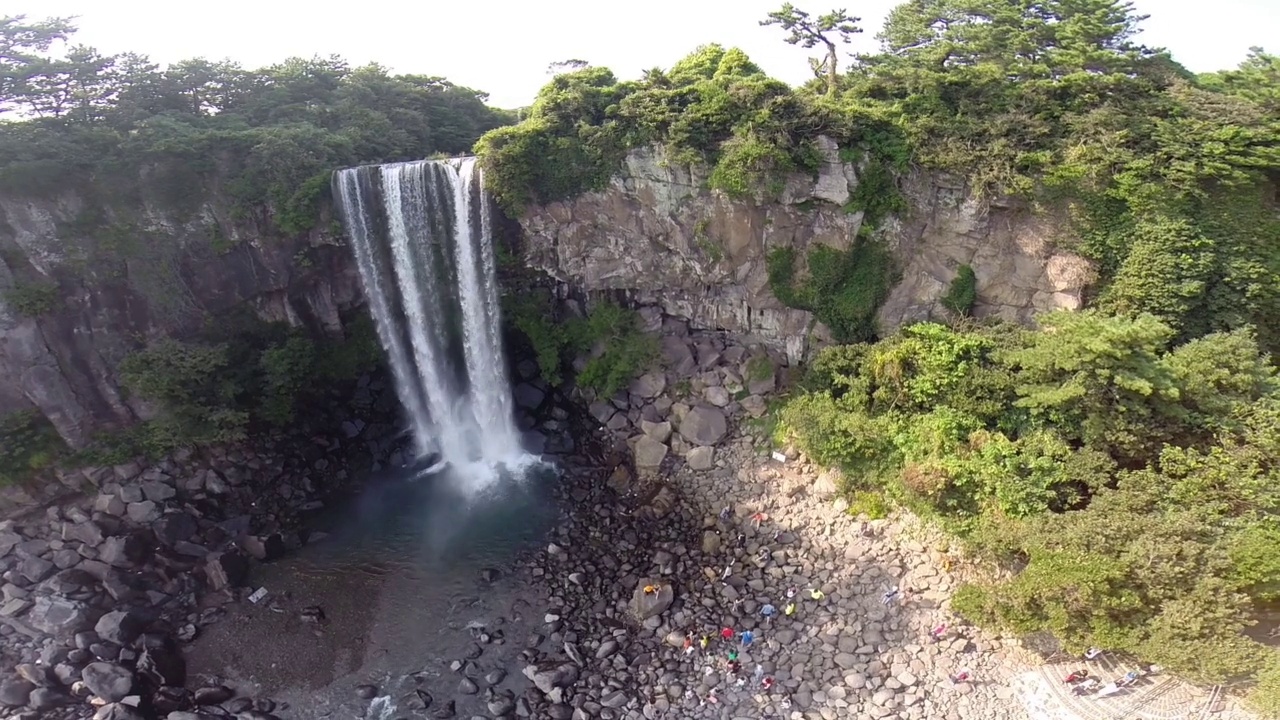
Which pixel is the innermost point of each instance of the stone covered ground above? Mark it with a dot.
(722, 529)
(101, 594)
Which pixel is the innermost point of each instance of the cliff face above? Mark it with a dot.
(659, 233)
(113, 277)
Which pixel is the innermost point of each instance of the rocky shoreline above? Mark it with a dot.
(101, 591)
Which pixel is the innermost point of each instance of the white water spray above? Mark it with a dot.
(421, 234)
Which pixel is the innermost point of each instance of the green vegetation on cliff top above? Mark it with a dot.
(267, 140)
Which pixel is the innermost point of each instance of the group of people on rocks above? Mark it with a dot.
(1082, 683)
(731, 642)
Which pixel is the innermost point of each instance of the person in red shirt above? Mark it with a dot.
(727, 634)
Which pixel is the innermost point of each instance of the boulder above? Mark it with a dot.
(108, 681)
(703, 425)
(551, 675)
(717, 396)
(173, 528)
(701, 458)
(8, 541)
(45, 698)
(143, 512)
(710, 542)
(125, 551)
(659, 431)
(110, 505)
(69, 582)
(36, 569)
(649, 453)
(121, 627)
(646, 605)
(58, 616)
(528, 397)
(827, 484)
(15, 692)
(620, 479)
(226, 570)
(158, 491)
(88, 532)
(649, 386)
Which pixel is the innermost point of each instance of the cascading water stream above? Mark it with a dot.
(421, 234)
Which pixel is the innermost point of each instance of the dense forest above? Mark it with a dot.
(1117, 468)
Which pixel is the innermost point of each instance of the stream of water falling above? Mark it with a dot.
(421, 233)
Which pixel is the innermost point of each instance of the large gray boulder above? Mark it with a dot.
(646, 605)
(107, 680)
(649, 453)
(125, 551)
(58, 616)
(121, 627)
(649, 386)
(87, 532)
(551, 675)
(704, 425)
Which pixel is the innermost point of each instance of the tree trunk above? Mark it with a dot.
(832, 59)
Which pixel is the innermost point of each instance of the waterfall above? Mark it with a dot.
(421, 233)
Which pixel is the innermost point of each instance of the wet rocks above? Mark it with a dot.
(366, 692)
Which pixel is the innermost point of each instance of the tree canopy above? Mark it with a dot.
(275, 133)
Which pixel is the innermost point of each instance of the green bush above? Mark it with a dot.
(33, 299)
(286, 371)
(843, 290)
(618, 350)
(963, 291)
(28, 444)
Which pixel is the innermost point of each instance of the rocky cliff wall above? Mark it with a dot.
(120, 275)
(660, 234)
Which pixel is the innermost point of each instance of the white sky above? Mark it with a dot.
(503, 46)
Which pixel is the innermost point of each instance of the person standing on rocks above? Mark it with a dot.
(726, 634)
(688, 643)
(791, 591)
(768, 611)
(938, 632)
(726, 513)
(790, 609)
(747, 638)
(704, 642)
(816, 594)
(960, 677)
(890, 595)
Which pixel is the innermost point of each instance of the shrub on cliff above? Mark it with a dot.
(615, 349)
(714, 107)
(28, 444)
